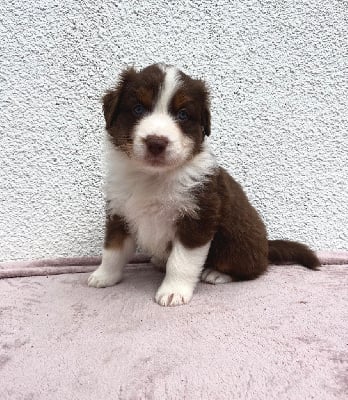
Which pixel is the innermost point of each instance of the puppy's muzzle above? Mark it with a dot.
(156, 145)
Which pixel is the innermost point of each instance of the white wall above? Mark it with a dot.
(278, 76)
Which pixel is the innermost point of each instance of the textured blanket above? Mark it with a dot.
(282, 336)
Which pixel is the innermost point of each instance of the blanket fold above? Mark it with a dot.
(72, 265)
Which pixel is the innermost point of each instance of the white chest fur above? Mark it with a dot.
(152, 218)
(152, 203)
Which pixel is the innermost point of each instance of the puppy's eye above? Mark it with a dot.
(182, 115)
(138, 110)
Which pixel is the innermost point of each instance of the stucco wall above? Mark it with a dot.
(278, 76)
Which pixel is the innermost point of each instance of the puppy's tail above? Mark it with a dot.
(286, 251)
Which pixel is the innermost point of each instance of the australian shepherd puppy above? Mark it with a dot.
(166, 193)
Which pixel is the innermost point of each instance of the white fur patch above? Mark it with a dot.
(183, 270)
(168, 89)
(110, 271)
(151, 202)
(215, 277)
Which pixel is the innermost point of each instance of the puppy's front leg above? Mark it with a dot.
(184, 267)
(119, 247)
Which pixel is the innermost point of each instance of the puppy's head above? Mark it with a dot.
(158, 117)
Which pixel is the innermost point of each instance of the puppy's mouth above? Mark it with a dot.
(156, 161)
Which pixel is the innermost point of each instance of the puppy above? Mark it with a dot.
(166, 193)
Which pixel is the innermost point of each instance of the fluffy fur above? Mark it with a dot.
(166, 193)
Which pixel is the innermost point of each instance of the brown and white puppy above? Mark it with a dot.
(166, 193)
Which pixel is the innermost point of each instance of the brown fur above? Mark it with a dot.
(196, 90)
(285, 251)
(239, 246)
(116, 232)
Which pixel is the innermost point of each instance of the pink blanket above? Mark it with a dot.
(282, 336)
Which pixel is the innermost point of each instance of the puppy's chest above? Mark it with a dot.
(153, 223)
(152, 214)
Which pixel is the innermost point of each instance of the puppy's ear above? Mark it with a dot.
(206, 119)
(112, 97)
(205, 108)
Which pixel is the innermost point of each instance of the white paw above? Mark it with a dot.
(101, 278)
(215, 277)
(173, 295)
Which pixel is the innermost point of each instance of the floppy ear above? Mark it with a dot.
(206, 119)
(112, 97)
(205, 107)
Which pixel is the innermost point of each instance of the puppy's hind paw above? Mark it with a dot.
(215, 277)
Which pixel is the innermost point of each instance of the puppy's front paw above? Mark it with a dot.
(101, 278)
(173, 295)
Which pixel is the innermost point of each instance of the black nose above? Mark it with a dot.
(156, 144)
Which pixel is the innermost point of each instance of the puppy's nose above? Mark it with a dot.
(156, 145)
